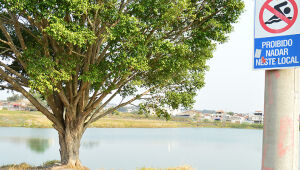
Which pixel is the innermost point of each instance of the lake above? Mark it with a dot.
(201, 148)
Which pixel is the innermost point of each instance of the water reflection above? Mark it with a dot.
(38, 145)
(131, 148)
(89, 144)
(172, 146)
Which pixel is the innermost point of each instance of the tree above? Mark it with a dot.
(231, 113)
(15, 97)
(80, 54)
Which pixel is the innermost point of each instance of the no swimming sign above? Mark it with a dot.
(277, 34)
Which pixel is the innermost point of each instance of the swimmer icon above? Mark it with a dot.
(285, 12)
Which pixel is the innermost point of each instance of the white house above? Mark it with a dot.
(257, 117)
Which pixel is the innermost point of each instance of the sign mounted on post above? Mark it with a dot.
(277, 34)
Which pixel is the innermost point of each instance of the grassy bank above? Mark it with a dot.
(55, 165)
(122, 120)
(23, 119)
(23, 166)
(37, 120)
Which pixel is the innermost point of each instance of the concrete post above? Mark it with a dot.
(281, 116)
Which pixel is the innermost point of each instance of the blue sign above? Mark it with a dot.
(277, 52)
(277, 34)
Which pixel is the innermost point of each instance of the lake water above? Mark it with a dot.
(201, 148)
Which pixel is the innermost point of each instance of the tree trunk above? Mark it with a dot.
(69, 145)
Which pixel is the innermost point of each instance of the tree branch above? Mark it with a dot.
(12, 45)
(12, 71)
(95, 116)
(39, 106)
(18, 31)
(7, 87)
(119, 86)
(63, 97)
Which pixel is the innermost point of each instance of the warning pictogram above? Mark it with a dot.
(278, 16)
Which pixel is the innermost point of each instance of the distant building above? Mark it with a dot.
(256, 117)
(227, 118)
(22, 104)
(207, 117)
(219, 116)
(238, 118)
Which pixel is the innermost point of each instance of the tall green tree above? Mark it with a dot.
(80, 54)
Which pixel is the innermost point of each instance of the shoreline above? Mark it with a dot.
(34, 119)
(56, 165)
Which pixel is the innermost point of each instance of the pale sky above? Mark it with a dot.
(231, 82)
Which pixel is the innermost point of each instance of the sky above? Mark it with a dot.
(231, 82)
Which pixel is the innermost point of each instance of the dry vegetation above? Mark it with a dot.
(121, 120)
(55, 165)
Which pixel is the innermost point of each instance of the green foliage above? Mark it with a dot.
(231, 113)
(116, 112)
(115, 46)
(149, 109)
(69, 33)
(45, 73)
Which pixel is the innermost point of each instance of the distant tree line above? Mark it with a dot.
(15, 97)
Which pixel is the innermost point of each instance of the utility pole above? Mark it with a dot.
(281, 120)
(277, 50)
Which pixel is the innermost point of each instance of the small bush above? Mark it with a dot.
(51, 163)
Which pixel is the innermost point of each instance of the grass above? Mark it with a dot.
(48, 164)
(122, 120)
(16, 167)
(143, 123)
(126, 120)
(23, 119)
(229, 125)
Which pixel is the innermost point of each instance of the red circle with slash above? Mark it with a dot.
(289, 22)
